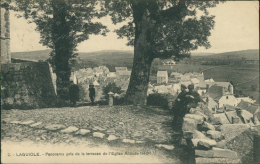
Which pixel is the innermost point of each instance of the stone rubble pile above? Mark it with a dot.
(208, 139)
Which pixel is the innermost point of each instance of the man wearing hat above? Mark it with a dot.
(178, 113)
(74, 94)
(192, 98)
(92, 93)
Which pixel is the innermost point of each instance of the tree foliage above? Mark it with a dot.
(159, 29)
(62, 24)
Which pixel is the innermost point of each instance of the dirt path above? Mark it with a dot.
(131, 125)
(248, 80)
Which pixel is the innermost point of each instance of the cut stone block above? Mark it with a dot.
(69, 129)
(189, 125)
(217, 160)
(203, 146)
(168, 147)
(27, 122)
(139, 142)
(112, 138)
(216, 153)
(15, 122)
(128, 141)
(55, 127)
(216, 135)
(98, 128)
(199, 119)
(83, 132)
(199, 135)
(98, 135)
(201, 114)
(205, 126)
(207, 141)
(36, 124)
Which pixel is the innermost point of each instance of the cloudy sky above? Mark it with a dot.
(236, 28)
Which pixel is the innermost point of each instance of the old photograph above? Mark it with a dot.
(129, 81)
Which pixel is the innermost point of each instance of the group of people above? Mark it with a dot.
(182, 105)
(74, 94)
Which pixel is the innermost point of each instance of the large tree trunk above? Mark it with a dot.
(60, 33)
(138, 86)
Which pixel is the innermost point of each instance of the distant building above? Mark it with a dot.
(170, 62)
(162, 77)
(111, 74)
(176, 75)
(118, 69)
(97, 71)
(222, 96)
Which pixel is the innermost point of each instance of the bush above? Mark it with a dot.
(158, 99)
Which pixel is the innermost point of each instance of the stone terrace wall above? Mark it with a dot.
(27, 86)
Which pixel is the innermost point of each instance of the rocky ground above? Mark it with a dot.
(118, 127)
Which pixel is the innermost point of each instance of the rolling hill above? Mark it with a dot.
(233, 55)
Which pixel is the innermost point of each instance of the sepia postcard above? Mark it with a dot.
(129, 81)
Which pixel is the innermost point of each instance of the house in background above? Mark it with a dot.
(222, 95)
(118, 69)
(162, 77)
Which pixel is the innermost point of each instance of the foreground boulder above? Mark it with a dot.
(206, 141)
(205, 126)
(216, 153)
(216, 160)
(199, 119)
(216, 135)
(189, 125)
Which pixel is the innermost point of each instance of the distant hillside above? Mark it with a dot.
(201, 54)
(32, 55)
(120, 55)
(235, 55)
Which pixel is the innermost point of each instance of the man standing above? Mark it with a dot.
(74, 93)
(92, 93)
(178, 114)
(192, 98)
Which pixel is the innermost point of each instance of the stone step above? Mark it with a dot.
(98, 135)
(26, 122)
(128, 141)
(55, 127)
(216, 153)
(168, 147)
(112, 138)
(217, 160)
(36, 124)
(69, 129)
(83, 132)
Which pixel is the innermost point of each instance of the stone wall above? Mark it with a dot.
(27, 86)
(5, 36)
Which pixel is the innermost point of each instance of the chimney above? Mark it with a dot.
(207, 88)
(230, 89)
(223, 91)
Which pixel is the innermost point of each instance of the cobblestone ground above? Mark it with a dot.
(117, 128)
